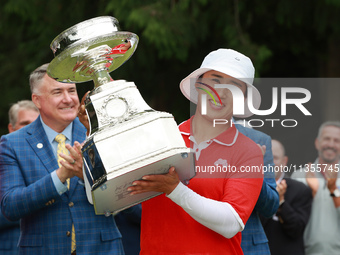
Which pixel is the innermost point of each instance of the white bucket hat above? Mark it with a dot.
(229, 62)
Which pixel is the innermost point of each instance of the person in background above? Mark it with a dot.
(208, 215)
(322, 232)
(20, 114)
(254, 239)
(285, 229)
(41, 178)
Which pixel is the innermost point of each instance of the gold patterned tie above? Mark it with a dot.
(60, 138)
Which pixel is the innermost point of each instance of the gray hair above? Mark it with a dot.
(20, 105)
(36, 77)
(327, 124)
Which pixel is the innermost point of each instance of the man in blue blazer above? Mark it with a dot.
(254, 239)
(34, 189)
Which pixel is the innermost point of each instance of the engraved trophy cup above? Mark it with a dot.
(127, 139)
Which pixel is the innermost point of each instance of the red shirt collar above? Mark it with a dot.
(227, 138)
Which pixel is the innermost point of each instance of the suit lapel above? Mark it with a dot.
(37, 139)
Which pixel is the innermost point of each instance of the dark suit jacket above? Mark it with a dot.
(128, 223)
(27, 193)
(285, 234)
(254, 240)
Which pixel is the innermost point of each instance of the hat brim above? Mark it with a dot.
(188, 89)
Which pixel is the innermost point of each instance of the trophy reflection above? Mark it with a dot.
(128, 139)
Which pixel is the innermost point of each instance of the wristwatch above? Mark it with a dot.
(336, 193)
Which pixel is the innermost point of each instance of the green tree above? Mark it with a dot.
(283, 38)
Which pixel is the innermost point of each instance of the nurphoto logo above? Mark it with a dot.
(239, 102)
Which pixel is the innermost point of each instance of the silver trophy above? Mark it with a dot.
(128, 139)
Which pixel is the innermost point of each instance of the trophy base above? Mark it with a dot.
(116, 156)
(112, 196)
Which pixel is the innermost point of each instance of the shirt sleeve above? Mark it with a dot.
(215, 215)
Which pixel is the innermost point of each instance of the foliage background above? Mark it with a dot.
(284, 38)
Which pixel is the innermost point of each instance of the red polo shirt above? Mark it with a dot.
(168, 229)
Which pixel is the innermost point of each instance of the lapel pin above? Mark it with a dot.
(39, 145)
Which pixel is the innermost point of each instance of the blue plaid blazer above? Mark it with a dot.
(254, 239)
(27, 193)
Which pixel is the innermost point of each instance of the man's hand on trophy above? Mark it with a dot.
(165, 183)
(72, 164)
(82, 114)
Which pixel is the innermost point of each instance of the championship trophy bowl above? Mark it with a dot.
(127, 138)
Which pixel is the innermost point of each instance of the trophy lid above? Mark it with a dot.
(90, 50)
